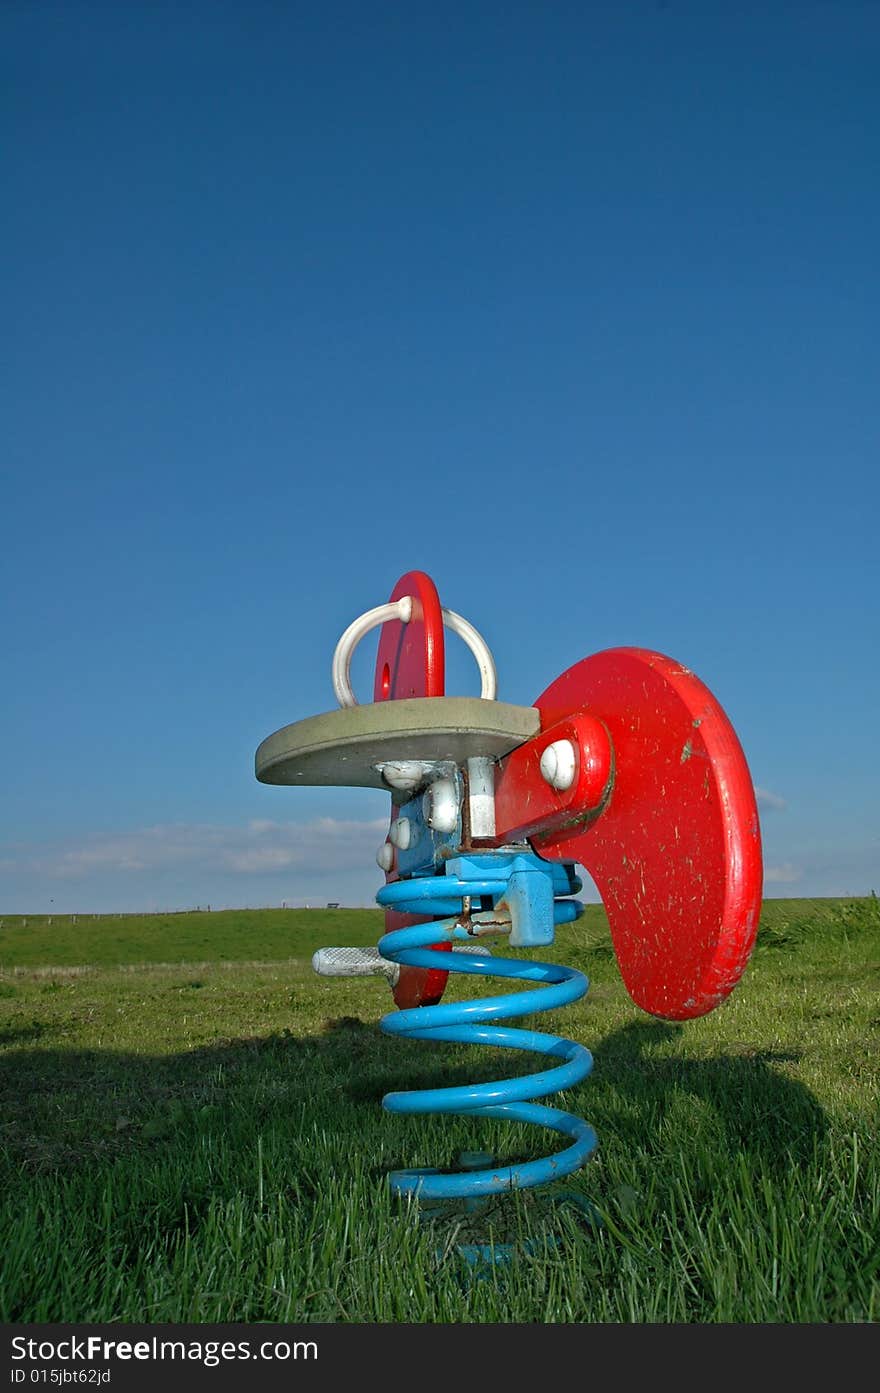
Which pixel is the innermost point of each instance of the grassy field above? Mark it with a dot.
(191, 1131)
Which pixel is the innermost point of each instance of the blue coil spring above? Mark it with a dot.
(471, 1022)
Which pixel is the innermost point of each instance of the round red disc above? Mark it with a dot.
(676, 853)
(411, 663)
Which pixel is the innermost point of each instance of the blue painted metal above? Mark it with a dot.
(429, 848)
(527, 889)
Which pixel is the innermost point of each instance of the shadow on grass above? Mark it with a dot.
(20, 1034)
(639, 1080)
(61, 1110)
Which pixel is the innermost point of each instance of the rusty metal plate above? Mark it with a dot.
(676, 851)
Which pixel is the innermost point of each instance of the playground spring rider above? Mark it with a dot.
(626, 764)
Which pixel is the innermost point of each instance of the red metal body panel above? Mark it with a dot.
(676, 850)
(527, 806)
(411, 662)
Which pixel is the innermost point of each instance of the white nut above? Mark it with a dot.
(405, 774)
(401, 833)
(385, 856)
(440, 806)
(559, 764)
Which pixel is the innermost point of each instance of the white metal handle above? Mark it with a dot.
(402, 610)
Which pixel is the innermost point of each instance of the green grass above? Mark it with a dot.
(228, 935)
(191, 1131)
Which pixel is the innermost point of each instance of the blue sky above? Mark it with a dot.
(573, 306)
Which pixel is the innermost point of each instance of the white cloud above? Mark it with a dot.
(253, 848)
(831, 870)
(264, 862)
(766, 799)
(786, 874)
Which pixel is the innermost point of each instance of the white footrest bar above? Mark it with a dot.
(368, 962)
(352, 962)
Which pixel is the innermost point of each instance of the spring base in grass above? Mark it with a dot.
(468, 1227)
